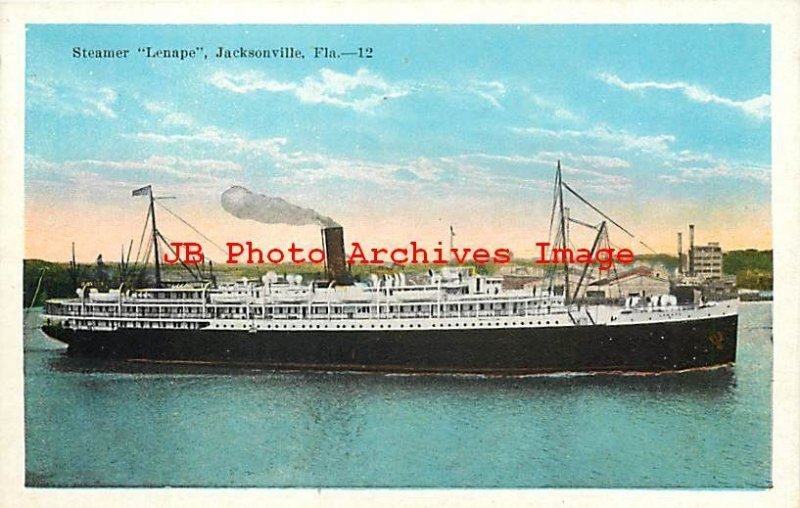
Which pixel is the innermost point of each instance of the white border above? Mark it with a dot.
(782, 15)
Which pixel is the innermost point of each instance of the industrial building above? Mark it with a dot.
(641, 281)
(702, 270)
(707, 261)
(704, 261)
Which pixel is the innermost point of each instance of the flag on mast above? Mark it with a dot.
(144, 191)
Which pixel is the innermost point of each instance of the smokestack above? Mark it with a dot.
(691, 250)
(335, 259)
(680, 252)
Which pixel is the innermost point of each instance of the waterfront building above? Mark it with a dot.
(707, 260)
(642, 281)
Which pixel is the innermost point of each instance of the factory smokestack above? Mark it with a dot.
(691, 250)
(335, 258)
(680, 253)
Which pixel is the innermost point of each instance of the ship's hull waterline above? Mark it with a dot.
(641, 347)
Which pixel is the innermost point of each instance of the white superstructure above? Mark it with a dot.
(454, 298)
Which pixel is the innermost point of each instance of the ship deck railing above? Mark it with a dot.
(529, 300)
(313, 316)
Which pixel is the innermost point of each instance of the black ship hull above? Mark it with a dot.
(646, 347)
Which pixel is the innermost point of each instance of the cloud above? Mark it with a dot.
(592, 172)
(654, 144)
(690, 167)
(361, 91)
(557, 111)
(315, 168)
(757, 107)
(100, 102)
(473, 170)
(297, 166)
(169, 115)
(217, 137)
(595, 161)
(694, 167)
(491, 91)
(689, 156)
(550, 159)
(693, 175)
(168, 164)
(566, 115)
(584, 170)
(133, 170)
(310, 169)
(248, 82)
(72, 99)
(364, 90)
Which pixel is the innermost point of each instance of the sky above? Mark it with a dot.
(658, 125)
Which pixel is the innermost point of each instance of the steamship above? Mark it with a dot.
(454, 321)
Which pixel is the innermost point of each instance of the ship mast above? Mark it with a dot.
(155, 237)
(73, 269)
(563, 232)
(560, 189)
(148, 190)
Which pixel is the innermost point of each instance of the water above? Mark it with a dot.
(97, 423)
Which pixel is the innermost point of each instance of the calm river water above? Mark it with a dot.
(94, 423)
